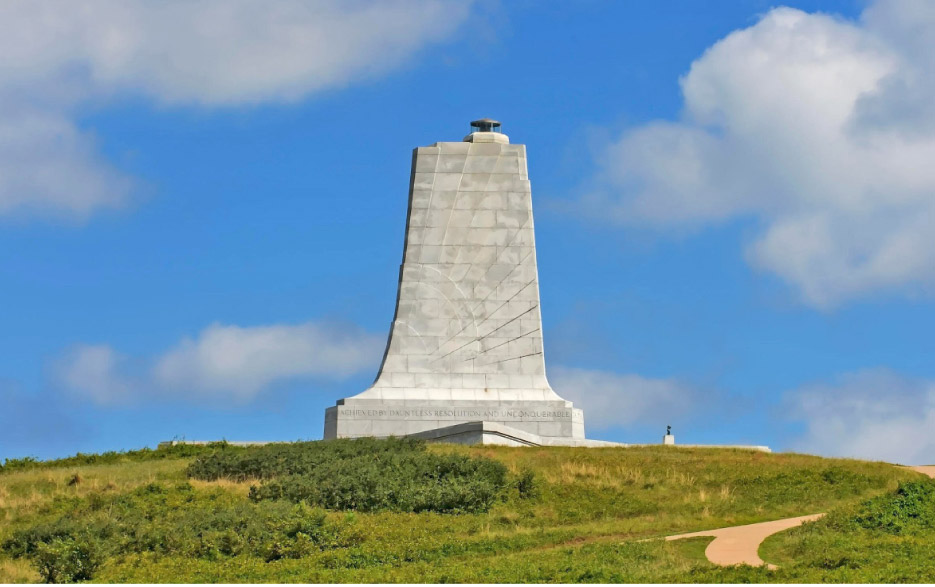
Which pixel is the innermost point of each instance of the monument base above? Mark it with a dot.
(547, 419)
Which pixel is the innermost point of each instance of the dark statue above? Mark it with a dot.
(668, 430)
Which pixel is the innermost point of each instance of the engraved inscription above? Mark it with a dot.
(454, 414)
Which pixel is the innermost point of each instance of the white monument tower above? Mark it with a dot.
(464, 360)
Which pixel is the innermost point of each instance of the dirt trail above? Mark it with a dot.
(739, 544)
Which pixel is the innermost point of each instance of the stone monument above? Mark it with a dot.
(464, 360)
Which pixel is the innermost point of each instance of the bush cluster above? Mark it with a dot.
(174, 521)
(295, 458)
(66, 560)
(909, 510)
(362, 475)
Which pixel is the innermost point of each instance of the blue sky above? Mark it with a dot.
(202, 209)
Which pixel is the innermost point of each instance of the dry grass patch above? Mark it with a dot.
(23, 493)
(679, 478)
(241, 488)
(17, 571)
(601, 475)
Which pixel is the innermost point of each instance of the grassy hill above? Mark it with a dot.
(352, 511)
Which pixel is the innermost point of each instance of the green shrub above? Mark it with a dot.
(363, 475)
(175, 521)
(912, 508)
(297, 458)
(18, 464)
(66, 560)
(526, 485)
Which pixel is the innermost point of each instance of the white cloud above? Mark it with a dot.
(96, 372)
(612, 399)
(243, 361)
(60, 55)
(873, 414)
(49, 167)
(820, 128)
(226, 362)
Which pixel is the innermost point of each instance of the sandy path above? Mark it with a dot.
(739, 544)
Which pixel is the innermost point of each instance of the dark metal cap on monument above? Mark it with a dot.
(485, 125)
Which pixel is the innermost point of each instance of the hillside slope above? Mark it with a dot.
(543, 515)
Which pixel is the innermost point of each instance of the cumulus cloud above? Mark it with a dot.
(819, 128)
(872, 414)
(227, 362)
(61, 55)
(49, 166)
(97, 372)
(612, 399)
(242, 361)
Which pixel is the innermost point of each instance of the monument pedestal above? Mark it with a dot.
(354, 417)
(668, 439)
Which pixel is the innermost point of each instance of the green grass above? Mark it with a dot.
(585, 521)
(114, 457)
(888, 539)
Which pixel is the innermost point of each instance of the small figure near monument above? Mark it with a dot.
(668, 438)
